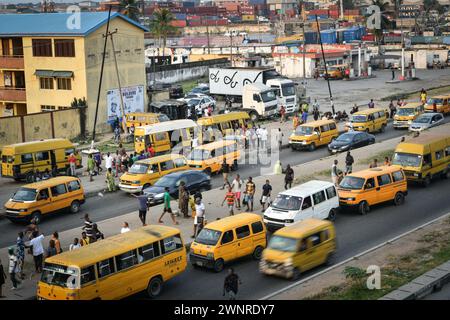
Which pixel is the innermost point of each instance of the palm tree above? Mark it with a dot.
(385, 23)
(161, 25)
(130, 9)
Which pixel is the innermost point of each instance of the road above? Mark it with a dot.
(120, 203)
(443, 294)
(355, 234)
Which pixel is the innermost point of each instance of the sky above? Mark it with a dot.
(38, 1)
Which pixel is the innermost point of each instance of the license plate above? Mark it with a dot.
(199, 263)
(334, 151)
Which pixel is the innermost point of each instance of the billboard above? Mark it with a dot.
(133, 101)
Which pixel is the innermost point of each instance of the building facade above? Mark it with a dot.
(46, 63)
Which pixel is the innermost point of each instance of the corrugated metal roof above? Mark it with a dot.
(54, 24)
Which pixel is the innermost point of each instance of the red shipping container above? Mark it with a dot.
(222, 22)
(178, 23)
(333, 7)
(353, 12)
(231, 7)
(318, 12)
(368, 37)
(195, 23)
(193, 17)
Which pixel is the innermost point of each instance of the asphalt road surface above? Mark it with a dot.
(355, 234)
(120, 203)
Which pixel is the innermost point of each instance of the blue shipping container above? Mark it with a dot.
(187, 4)
(180, 16)
(311, 37)
(328, 36)
(256, 2)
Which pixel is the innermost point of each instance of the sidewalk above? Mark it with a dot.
(212, 200)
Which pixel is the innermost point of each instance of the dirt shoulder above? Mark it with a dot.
(400, 262)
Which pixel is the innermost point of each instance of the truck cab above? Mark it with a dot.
(286, 91)
(259, 100)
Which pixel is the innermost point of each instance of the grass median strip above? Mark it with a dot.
(379, 156)
(433, 249)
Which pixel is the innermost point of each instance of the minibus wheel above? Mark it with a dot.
(29, 177)
(207, 171)
(74, 207)
(332, 215)
(145, 186)
(257, 253)
(399, 199)
(426, 182)
(363, 208)
(218, 265)
(312, 147)
(295, 274)
(36, 216)
(154, 287)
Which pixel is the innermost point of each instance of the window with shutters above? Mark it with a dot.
(46, 83)
(64, 84)
(42, 47)
(64, 48)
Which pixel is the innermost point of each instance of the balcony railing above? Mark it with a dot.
(12, 94)
(12, 62)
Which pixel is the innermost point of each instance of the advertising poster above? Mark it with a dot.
(133, 101)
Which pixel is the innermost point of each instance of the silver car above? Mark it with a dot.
(426, 121)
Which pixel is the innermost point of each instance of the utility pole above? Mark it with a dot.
(231, 48)
(101, 77)
(122, 111)
(342, 9)
(304, 56)
(207, 37)
(326, 69)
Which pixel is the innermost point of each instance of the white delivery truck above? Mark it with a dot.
(259, 101)
(231, 81)
(286, 90)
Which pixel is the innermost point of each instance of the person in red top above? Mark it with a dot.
(229, 198)
(282, 113)
(151, 151)
(72, 163)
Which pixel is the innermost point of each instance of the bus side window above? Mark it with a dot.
(87, 275)
(126, 260)
(148, 252)
(171, 244)
(105, 267)
(427, 159)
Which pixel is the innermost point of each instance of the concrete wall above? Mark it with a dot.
(176, 73)
(10, 130)
(66, 124)
(129, 47)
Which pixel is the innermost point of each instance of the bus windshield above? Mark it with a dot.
(407, 159)
(283, 244)
(359, 118)
(208, 237)
(60, 276)
(353, 183)
(25, 194)
(406, 111)
(303, 131)
(138, 168)
(433, 100)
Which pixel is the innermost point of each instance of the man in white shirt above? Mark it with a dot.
(258, 135)
(125, 228)
(38, 250)
(108, 161)
(199, 216)
(236, 187)
(279, 136)
(264, 135)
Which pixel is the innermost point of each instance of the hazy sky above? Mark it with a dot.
(38, 1)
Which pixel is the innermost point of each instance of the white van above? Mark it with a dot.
(313, 199)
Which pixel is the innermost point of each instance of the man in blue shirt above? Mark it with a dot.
(143, 208)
